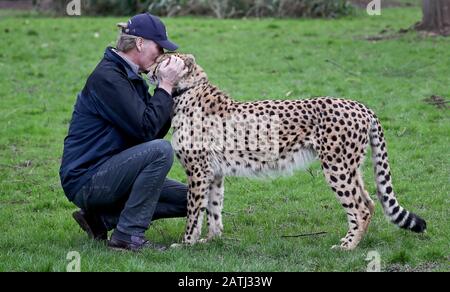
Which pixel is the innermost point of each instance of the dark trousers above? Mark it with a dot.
(131, 189)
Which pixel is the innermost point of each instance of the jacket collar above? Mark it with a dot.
(114, 57)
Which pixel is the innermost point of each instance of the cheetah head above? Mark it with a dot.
(194, 74)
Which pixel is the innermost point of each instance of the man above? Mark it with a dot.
(114, 163)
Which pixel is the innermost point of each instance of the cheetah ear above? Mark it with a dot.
(122, 25)
(191, 57)
(190, 60)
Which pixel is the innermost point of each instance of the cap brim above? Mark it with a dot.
(168, 45)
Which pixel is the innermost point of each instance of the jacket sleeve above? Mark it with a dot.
(164, 130)
(117, 101)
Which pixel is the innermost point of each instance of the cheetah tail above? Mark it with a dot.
(396, 213)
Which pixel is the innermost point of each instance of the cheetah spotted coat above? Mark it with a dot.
(215, 136)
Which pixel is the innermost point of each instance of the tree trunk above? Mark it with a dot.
(436, 17)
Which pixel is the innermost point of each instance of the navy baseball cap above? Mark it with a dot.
(150, 27)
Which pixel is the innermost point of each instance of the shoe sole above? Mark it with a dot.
(120, 249)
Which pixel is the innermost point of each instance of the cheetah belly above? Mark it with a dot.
(254, 164)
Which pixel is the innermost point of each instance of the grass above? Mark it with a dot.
(44, 63)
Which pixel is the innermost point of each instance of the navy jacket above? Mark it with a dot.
(113, 112)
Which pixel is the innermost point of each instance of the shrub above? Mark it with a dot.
(215, 8)
(252, 8)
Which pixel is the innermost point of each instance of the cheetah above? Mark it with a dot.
(215, 136)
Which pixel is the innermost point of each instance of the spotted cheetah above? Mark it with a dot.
(215, 136)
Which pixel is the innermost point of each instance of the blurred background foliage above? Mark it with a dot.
(212, 8)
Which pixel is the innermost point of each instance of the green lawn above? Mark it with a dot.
(44, 62)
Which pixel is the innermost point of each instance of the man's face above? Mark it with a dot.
(148, 52)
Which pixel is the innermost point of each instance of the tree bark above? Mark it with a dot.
(436, 17)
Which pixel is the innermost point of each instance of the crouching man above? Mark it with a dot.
(115, 162)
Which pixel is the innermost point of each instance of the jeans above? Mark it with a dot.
(130, 189)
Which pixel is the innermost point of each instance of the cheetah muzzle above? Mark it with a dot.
(215, 136)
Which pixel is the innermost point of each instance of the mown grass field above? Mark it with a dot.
(44, 63)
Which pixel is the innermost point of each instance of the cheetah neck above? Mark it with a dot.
(204, 95)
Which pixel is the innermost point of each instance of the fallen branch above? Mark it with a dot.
(304, 235)
(231, 238)
(8, 166)
(384, 36)
(341, 67)
(437, 101)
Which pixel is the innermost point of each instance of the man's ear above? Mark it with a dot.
(139, 44)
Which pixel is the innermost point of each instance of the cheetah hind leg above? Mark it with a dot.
(366, 200)
(214, 209)
(345, 185)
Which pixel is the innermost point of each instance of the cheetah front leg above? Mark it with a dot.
(199, 184)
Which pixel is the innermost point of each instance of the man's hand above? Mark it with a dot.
(170, 72)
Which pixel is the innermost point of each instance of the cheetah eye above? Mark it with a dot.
(152, 77)
(153, 80)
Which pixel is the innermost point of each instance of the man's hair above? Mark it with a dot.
(125, 42)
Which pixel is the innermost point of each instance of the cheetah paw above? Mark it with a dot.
(177, 245)
(343, 247)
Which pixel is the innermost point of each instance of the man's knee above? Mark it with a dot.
(163, 150)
